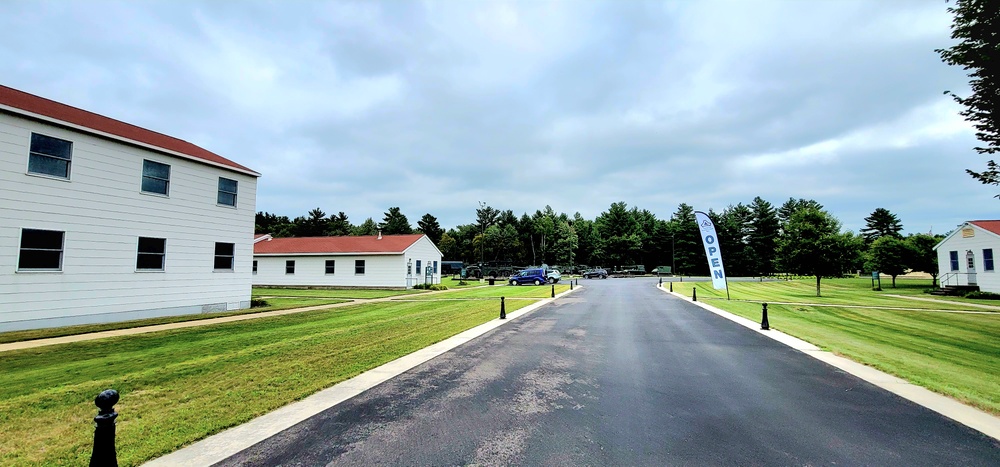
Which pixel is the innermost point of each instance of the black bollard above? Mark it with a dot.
(503, 313)
(571, 284)
(694, 294)
(660, 285)
(671, 286)
(553, 291)
(764, 325)
(104, 454)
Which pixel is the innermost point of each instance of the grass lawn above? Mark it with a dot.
(950, 353)
(182, 385)
(521, 291)
(274, 304)
(333, 293)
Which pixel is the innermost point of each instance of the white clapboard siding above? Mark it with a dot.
(988, 281)
(382, 270)
(103, 212)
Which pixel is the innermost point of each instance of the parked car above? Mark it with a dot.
(529, 276)
(596, 274)
(553, 276)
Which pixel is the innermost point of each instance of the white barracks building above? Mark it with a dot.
(105, 221)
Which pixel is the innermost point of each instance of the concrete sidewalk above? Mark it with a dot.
(974, 418)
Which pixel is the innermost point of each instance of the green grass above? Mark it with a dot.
(274, 304)
(182, 385)
(333, 293)
(521, 291)
(954, 354)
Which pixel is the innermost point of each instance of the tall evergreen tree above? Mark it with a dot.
(395, 223)
(619, 232)
(428, 225)
(688, 252)
(338, 225)
(789, 207)
(975, 26)
(764, 233)
(368, 227)
(881, 223)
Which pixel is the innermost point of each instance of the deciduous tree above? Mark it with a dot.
(813, 246)
(975, 26)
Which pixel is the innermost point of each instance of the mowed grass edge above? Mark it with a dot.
(183, 385)
(954, 354)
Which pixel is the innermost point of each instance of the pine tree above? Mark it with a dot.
(428, 225)
(395, 223)
(881, 223)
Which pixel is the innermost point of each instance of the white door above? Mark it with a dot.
(970, 262)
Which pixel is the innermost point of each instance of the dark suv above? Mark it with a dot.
(595, 274)
(529, 276)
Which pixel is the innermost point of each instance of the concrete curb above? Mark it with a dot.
(218, 447)
(971, 417)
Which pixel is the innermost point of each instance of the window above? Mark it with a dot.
(954, 260)
(49, 156)
(330, 266)
(970, 261)
(227, 192)
(290, 267)
(155, 177)
(988, 259)
(41, 250)
(224, 254)
(420, 272)
(359, 266)
(151, 253)
(255, 266)
(435, 267)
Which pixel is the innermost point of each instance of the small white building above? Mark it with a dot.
(394, 261)
(965, 257)
(104, 221)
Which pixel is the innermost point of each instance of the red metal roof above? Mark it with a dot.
(336, 245)
(992, 226)
(41, 106)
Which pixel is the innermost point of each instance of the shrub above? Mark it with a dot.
(258, 302)
(982, 295)
(439, 287)
(463, 283)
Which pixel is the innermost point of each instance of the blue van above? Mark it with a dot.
(529, 276)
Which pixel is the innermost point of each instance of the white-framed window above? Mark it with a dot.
(290, 266)
(255, 266)
(331, 266)
(224, 256)
(49, 156)
(41, 250)
(227, 192)
(953, 259)
(420, 272)
(359, 266)
(155, 177)
(151, 254)
(987, 259)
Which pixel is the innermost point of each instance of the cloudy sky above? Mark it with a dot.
(435, 106)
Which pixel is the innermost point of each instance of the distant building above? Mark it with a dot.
(965, 257)
(394, 261)
(105, 221)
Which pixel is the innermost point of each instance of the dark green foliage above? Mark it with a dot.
(975, 26)
(429, 226)
(395, 223)
(339, 225)
(881, 223)
(978, 294)
(889, 255)
(258, 302)
(924, 257)
(764, 234)
(619, 231)
(689, 255)
(813, 246)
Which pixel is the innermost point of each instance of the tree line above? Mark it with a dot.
(757, 239)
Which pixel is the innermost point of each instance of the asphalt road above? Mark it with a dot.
(620, 373)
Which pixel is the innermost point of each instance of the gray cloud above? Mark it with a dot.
(435, 106)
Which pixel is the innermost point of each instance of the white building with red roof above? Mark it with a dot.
(393, 261)
(966, 256)
(106, 221)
